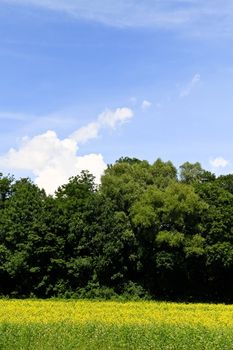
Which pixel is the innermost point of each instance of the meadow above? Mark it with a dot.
(58, 324)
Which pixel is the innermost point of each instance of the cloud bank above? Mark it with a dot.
(53, 160)
(208, 17)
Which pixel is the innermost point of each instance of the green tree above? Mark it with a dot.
(21, 228)
(194, 173)
(163, 173)
(5, 188)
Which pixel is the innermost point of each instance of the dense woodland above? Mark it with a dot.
(148, 231)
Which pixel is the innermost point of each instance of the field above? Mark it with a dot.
(56, 324)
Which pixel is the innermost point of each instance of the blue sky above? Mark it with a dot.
(83, 83)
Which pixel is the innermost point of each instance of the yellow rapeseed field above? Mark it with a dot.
(115, 313)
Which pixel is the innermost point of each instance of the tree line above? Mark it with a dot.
(147, 231)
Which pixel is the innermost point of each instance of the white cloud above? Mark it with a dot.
(106, 119)
(219, 162)
(197, 16)
(52, 160)
(186, 91)
(146, 105)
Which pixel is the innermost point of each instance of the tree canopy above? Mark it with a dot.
(148, 231)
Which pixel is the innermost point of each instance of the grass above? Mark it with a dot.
(59, 325)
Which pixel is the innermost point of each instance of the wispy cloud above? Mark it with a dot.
(186, 91)
(146, 105)
(107, 119)
(12, 116)
(53, 160)
(133, 100)
(209, 17)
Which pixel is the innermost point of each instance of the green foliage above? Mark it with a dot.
(144, 232)
(194, 173)
(5, 188)
(163, 173)
(134, 291)
(195, 246)
(220, 255)
(169, 239)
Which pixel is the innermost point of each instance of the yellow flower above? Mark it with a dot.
(117, 313)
